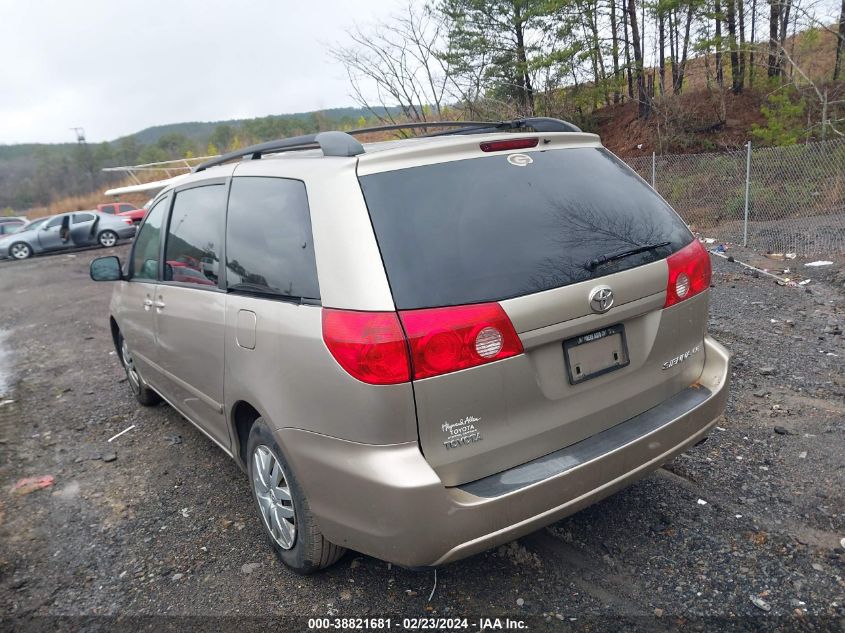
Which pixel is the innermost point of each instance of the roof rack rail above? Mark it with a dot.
(343, 144)
(332, 144)
(537, 124)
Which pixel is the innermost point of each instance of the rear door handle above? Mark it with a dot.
(158, 304)
(148, 303)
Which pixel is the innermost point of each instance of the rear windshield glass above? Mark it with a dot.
(487, 229)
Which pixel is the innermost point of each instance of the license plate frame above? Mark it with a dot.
(602, 340)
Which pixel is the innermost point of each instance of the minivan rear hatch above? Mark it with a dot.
(550, 235)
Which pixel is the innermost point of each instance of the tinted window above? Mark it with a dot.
(35, 224)
(106, 208)
(195, 235)
(484, 229)
(147, 243)
(269, 248)
(78, 218)
(55, 221)
(124, 207)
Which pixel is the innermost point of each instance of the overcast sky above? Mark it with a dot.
(116, 67)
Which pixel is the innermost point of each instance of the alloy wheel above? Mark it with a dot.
(272, 490)
(131, 371)
(108, 239)
(20, 251)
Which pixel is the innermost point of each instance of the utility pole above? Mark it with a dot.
(83, 154)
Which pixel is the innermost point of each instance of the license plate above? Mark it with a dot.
(596, 353)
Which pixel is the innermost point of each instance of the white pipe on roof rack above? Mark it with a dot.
(182, 162)
(147, 186)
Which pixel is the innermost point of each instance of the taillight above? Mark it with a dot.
(513, 143)
(444, 340)
(127, 220)
(689, 273)
(370, 346)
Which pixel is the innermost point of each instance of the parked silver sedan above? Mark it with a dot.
(65, 231)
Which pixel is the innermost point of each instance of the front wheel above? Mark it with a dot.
(143, 394)
(107, 239)
(20, 250)
(285, 514)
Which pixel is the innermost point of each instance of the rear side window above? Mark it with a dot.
(195, 235)
(124, 207)
(486, 229)
(106, 208)
(79, 218)
(269, 247)
(146, 252)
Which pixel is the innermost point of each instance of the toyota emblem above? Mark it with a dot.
(601, 299)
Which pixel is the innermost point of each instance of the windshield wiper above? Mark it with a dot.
(604, 259)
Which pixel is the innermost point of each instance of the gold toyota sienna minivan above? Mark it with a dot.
(423, 348)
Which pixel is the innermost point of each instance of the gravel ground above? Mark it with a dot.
(159, 522)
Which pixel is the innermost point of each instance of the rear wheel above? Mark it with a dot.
(285, 514)
(20, 250)
(143, 393)
(107, 239)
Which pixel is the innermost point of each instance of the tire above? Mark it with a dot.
(107, 239)
(142, 392)
(20, 250)
(306, 550)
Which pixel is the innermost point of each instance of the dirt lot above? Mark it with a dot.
(747, 526)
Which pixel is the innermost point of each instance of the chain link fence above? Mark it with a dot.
(773, 199)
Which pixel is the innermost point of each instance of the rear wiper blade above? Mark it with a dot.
(603, 259)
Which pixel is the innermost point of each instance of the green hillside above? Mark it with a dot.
(36, 174)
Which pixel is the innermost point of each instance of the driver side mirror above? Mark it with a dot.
(106, 269)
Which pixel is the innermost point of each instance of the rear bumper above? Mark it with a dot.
(127, 232)
(387, 502)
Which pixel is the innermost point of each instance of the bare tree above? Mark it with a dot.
(642, 99)
(614, 34)
(774, 22)
(736, 77)
(717, 13)
(394, 63)
(840, 43)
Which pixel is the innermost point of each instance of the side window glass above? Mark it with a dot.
(195, 236)
(145, 254)
(124, 207)
(55, 222)
(269, 247)
(79, 218)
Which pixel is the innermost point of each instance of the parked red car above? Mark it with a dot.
(123, 209)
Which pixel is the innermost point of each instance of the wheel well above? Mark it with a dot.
(244, 416)
(115, 336)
